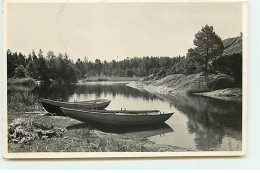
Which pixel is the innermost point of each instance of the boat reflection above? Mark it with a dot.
(137, 131)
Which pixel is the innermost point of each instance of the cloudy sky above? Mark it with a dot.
(110, 31)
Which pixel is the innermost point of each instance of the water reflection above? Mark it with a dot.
(56, 92)
(211, 120)
(114, 90)
(199, 123)
(140, 131)
(63, 92)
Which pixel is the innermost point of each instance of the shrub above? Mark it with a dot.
(23, 81)
(19, 72)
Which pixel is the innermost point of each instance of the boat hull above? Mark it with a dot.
(115, 119)
(54, 106)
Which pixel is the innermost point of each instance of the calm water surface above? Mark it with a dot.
(198, 123)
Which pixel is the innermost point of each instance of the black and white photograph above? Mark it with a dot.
(124, 79)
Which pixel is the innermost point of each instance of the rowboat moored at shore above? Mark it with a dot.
(54, 106)
(119, 117)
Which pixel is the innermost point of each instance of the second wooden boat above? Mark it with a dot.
(54, 106)
(119, 117)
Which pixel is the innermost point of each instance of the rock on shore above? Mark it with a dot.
(229, 94)
(179, 84)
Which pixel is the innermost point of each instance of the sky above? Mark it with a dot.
(108, 31)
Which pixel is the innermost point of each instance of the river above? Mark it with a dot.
(198, 123)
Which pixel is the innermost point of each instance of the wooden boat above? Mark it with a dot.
(54, 106)
(118, 117)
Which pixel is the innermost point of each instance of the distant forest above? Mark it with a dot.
(61, 68)
(207, 56)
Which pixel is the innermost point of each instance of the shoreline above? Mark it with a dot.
(63, 134)
(227, 94)
(58, 131)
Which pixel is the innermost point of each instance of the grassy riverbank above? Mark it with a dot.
(30, 132)
(18, 102)
(61, 134)
(22, 81)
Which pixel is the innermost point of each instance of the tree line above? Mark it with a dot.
(43, 68)
(61, 68)
(204, 57)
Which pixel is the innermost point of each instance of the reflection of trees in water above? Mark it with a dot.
(116, 89)
(64, 91)
(208, 118)
(209, 131)
(56, 92)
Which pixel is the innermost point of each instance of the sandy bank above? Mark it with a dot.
(219, 86)
(228, 94)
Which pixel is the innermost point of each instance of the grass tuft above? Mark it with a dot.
(23, 102)
(26, 130)
(23, 81)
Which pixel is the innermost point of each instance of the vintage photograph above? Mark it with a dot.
(124, 79)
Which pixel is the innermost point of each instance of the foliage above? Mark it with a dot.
(23, 101)
(22, 81)
(41, 68)
(13, 61)
(19, 72)
(233, 45)
(25, 131)
(208, 45)
(230, 65)
(187, 66)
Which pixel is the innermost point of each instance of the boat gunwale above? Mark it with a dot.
(114, 114)
(91, 102)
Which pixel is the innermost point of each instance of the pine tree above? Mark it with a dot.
(208, 44)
